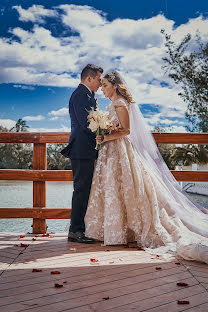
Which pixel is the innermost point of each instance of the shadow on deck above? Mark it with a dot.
(123, 279)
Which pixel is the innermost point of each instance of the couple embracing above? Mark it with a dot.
(125, 192)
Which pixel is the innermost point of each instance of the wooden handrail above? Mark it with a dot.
(39, 175)
(63, 137)
(66, 175)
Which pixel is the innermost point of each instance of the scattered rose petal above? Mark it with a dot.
(178, 263)
(45, 235)
(55, 272)
(23, 245)
(182, 284)
(58, 285)
(158, 268)
(140, 248)
(21, 236)
(36, 270)
(33, 239)
(153, 258)
(183, 302)
(107, 250)
(36, 235)
(106, 298)
(94, 260)
(158, 256)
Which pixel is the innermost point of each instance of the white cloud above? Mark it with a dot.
(33, 118)
(24, 87)
(133, 47)
(7, 123)
(54, 118)
(34, 14)
(61, 112)
(62, 129)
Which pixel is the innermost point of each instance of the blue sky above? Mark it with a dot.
(45, 44)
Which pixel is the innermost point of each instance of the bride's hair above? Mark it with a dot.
(115, 79)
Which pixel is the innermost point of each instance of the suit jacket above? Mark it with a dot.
(82, 141)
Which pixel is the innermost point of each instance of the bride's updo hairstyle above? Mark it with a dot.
(122, 90)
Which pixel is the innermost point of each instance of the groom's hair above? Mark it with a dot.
(91, 70)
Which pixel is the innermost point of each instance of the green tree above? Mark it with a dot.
(189, 154)
(20, 126)
(189, 69)
(16, 156)
(166, 150)
(55, 160)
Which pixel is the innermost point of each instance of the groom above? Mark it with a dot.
(81, 149)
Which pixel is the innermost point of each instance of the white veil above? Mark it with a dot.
(194, 216)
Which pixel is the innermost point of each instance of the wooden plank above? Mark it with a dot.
(66, 175)
(36, 175)
(38, 213)
(181, 138)
(34, 137)
(39, 187)
(197, 176)
(63, 137)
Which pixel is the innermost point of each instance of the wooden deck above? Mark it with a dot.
(123, 279)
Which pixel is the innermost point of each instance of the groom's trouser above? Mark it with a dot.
(82, 179)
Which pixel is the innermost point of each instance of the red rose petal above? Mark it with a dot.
(140, 248)
(45, 235)
(21, 236)
(157, 256)
(58, 285)
(158, 268)
(55, 272)
(36, 270)
(182, 284)
(94, 260)
(33, 239)
(106, 298)
(107, 250)
(23, 245)
(183, 302)
(178, 263)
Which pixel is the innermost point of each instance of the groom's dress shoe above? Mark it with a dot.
(79, 237)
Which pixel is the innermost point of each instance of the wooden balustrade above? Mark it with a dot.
(39, 175)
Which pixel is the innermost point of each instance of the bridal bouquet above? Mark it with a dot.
(100, 122)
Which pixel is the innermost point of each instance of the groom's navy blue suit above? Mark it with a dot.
(82, 153)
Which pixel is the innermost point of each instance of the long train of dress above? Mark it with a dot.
(127, 203)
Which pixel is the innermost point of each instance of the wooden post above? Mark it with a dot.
(39, 187)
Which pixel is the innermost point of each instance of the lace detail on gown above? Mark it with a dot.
(127, 205)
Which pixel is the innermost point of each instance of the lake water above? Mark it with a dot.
(58, 195)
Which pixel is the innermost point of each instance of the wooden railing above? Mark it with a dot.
(39, 175)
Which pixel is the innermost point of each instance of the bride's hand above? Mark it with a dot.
(100, 139)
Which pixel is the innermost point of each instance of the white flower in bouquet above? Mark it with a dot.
(99, 122)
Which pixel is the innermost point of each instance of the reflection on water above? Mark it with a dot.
(58, 195)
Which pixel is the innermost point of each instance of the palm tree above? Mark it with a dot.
(20, 126)
(187, 155)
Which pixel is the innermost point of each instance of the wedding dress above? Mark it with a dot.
(134, 197)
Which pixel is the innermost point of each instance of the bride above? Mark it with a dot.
(134, 196)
